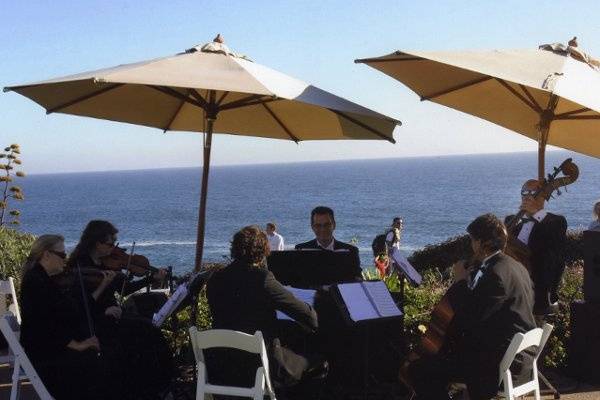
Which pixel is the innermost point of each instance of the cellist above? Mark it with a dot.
(497, 302)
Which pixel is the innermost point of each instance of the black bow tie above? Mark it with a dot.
(528, 219)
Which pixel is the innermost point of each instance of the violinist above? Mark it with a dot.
(544, 234)
(54, 330)
(497, 302)
(143, 353)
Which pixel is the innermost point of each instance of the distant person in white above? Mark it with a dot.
(392, 238)
(595, 224)
(275, 239)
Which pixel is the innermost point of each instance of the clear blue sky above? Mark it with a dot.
(315, 41)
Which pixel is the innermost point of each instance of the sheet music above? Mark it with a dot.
(357, 302)
(159, 317)
(406, 267)
(381, 299)
(305, 295)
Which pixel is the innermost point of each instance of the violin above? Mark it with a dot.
(92, 277)
(119, 260)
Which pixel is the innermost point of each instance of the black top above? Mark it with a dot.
(245, 298)
(51, 318)
(337, 245)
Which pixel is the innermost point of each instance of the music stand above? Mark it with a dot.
(311, 268)
(404, 269)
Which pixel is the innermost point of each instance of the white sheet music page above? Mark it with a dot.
(357, 302)
(381, 299)
(305, 295)
(176, 298)
(406, 267)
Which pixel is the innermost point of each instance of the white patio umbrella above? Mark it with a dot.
(210, 89)
(551, 94)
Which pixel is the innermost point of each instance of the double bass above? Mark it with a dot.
(436, 336)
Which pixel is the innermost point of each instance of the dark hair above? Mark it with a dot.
(489, 230)
(321, 210)
(271, 225)
(94, 232)
(250, 245)
(399, 219)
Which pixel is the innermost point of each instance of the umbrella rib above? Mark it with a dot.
(281, 124)
(83, 98)
(195, 94)
(530, 97)
(247, 101)
(376, 59)
(222, 98)
(363, 125)
(578, 117)
(455, 88)
(519, 95)
(175, 115)
(173, 93)
(580, 110)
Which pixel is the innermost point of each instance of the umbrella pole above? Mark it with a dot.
(203, 194)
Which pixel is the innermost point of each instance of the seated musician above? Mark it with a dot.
(595, 224)
(322, 222)
(244, 296)
(497, 302)
(55, 332)
(145, 357)
(544, 234)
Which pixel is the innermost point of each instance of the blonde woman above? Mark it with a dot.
(54, 331)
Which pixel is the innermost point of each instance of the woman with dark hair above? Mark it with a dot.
(138, 347)
(55, 332)
(244, 296)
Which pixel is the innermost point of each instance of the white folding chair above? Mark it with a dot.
(7, 288)
(202, 340)
(535, 337)
(22, 366)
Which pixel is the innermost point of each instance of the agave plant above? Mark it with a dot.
(9, 158)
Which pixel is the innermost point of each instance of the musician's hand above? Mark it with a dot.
(108, 277)
(460, 271)
(160, 275)
(89, 343)
(113, 311)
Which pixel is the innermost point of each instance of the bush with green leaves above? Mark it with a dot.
(14, 249)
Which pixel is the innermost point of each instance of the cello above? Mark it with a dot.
(436, 336)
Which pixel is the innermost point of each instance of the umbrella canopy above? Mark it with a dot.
(551, 94)
(210, 89)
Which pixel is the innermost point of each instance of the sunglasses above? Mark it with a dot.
(60, 254)
(325, 225)
(527, 192)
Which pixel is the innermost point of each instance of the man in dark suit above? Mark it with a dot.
(244, 296)
(544, 234)
(496, 301)
(322, 222)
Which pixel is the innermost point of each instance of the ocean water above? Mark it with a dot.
(436, 196)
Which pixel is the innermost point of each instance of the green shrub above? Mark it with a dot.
(14, 249)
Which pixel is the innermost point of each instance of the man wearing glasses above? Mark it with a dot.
(544, 234)
(322, 222)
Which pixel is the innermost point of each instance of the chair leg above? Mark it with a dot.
(16, 382)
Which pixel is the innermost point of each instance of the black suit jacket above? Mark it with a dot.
(245, 298)
(500, 305)
(337, 245)
(547, 243)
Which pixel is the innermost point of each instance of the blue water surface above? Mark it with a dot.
(436, 196)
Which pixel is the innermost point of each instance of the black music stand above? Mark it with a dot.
(312, 268)
(405, 270)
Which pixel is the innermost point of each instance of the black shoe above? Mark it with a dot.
(319, 370)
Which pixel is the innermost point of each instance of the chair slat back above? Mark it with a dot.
(7, 288)
(231, 339)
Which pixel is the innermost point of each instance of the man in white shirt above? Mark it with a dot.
(392, 237)
(275, 239)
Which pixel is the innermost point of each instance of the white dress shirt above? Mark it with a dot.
(528, 226)
(330, 247)
(275, 241)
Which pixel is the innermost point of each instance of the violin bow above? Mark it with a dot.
(86, 306)
(127, 274)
